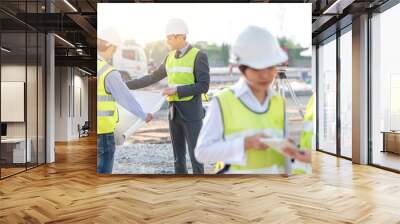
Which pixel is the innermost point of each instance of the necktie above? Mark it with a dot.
(177, 53)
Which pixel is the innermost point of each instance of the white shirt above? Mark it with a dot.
(211, 146)
(183, 50)
(121, 93)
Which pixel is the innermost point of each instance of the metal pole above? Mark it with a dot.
(284, 82)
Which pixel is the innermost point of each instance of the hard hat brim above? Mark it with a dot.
(262, 63)
(175, 33)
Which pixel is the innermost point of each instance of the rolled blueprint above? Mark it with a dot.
(151, 102)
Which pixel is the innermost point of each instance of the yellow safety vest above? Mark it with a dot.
(180, 71)
(306, 137)
(204, 97)
(107, 114)
(308, 125)
(239, 118)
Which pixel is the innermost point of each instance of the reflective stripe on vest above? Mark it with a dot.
(186, 70)
(105, 98)
(238, 119)
(308, 126)
(107, 114)
(180, 71)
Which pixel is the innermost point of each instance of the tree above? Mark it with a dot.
(293, 51)
(225, 49)
(218, 55)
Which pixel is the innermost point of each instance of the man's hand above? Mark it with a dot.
(148, 118)
(169, 91)
(255, 142)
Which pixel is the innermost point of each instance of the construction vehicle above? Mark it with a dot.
(131, 61)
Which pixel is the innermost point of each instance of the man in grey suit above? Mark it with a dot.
(187, 70)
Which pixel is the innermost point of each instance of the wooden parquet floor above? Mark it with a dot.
(70, 191)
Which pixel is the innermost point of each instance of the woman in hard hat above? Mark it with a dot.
(242, 117)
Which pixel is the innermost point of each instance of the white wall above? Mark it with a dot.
(61, 103)
(81, 94)
(16, 73)
(33, 126)
(69, 85)
(12, 73)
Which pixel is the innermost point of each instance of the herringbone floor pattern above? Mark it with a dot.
(70, 191)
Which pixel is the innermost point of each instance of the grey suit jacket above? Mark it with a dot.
(191, 110)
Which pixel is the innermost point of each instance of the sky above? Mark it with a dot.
(212, 22)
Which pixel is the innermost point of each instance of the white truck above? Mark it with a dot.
(131, 61)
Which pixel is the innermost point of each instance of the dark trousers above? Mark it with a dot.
(183, 132)
(105, 152)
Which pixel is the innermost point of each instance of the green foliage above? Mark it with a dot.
(285, 42)
(293, 51)
(218, 55)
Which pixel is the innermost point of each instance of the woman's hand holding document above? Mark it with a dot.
(264, 141)
(287, 148)
(255, 142)
(275, 143)
(295, 153)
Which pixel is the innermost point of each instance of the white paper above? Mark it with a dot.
(151, 102)
(275, 143)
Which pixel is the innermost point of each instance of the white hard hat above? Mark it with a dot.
(110, 35)
(176, 26)
(257, 48)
